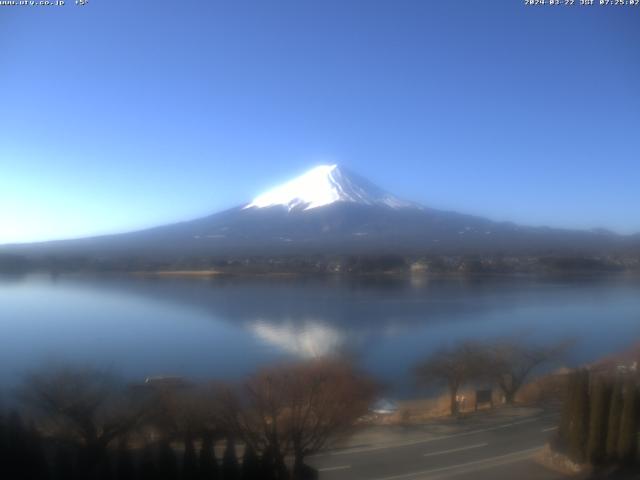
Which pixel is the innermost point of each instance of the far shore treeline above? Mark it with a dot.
(464, 264)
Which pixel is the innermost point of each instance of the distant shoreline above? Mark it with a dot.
(210, 274)
(177, 273)
(220, 274)
(351, 265)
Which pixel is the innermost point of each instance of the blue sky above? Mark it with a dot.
(121, 114)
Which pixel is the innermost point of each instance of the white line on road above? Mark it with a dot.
(452, 450)
(331, 469)
(486, 463)
(549, 429)
(350, 451)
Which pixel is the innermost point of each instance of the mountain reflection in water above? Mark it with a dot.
(226, 328)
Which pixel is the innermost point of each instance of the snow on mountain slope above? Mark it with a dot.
(324, 185)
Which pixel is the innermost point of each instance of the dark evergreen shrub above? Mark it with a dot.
(230, 467)
(272, 466)
(208, 463)
(63, 464)
(628, 438)
(613, 424)
(579, 417)
(104, 470)
(125, 468)
(250, 464)
(189, 460)
(167, 462)
(598, 418)
(147, 469)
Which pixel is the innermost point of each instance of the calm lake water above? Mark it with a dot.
(226, 328)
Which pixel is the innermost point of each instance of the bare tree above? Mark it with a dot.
(454, 367)
(89, 407)
(174, 411)
(298, 409)
(325, 399)
(513, 360)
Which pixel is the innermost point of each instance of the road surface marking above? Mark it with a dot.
(452, 450)
(487, 462)
(549, 429)
(428, 440)
(331, 469)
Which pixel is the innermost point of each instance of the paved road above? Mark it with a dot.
(498, 451)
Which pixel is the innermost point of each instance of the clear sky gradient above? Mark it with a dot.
(126, 114)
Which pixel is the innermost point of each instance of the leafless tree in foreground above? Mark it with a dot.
(176, 411)
(454, 367)
(512, 360)
(90, 408)
(298, 409)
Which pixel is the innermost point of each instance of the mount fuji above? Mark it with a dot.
(330, 211)
(323, 186)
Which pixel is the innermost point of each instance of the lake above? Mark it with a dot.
(227, 327)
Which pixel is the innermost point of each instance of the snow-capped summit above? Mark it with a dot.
(324, 185)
